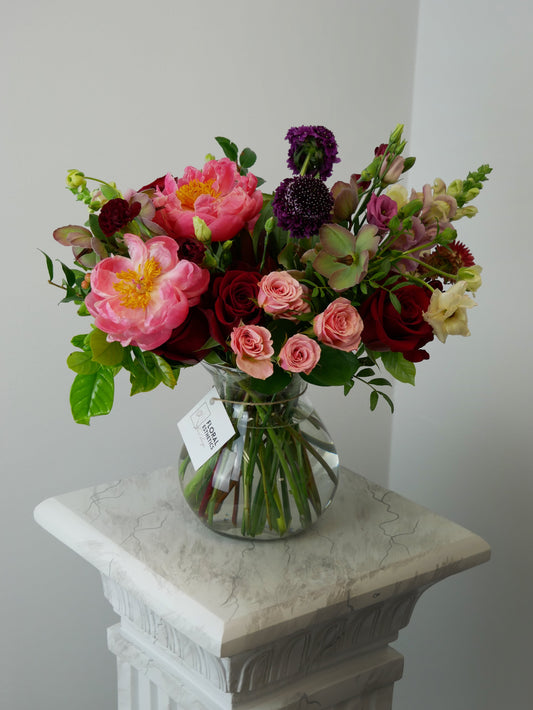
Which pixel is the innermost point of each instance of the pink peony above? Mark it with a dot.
(225, 200)
(140, 300)
(339, 326)
(253, 346)
(280, 294)
(299, 354)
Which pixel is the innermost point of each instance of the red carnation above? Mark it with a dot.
(116, 214)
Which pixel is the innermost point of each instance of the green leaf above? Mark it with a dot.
(273, 384)
(230, 149)
(247, 158)
(95, 228)
(70, 275)
(388, 400)
(79, 341)
(400, 368)
(374, 397)
(335, 367)
(109, 192)
(168, 375)
(395, 302)
(92, 395)
(105, 353)
(366, 372)
(379, 382)
(144, 374)
(49, 265)
(82, 363)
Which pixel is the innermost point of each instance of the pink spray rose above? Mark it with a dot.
(139, 300)
(225, 200)
(339, 326)
(253, 346)
(280, 294)
(299, 354)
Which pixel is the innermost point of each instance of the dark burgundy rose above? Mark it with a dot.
(190, 249)
(387, 330)
(235, 296)
(116, 214)
(152, 186)
(187, 340)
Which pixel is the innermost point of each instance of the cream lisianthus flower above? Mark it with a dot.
(447, 311)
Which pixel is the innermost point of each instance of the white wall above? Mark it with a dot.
(462, 437)
(128, 90)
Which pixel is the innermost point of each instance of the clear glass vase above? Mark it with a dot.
(279, 472)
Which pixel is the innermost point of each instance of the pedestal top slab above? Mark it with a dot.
(230, 595)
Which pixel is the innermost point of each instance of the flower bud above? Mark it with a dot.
(390, 172)
(472, 276)
(468, 211)
(270, 224)
(209, 157)
(455, 188)
(75, 179)
(397, 133)
(201, 230)
(471, 194)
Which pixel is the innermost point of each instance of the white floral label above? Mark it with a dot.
(206, 428)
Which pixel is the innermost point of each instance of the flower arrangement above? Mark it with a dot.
(327, 282)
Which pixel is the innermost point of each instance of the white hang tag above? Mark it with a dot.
(206, 428)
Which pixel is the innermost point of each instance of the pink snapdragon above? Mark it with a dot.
(139, 300)
(226, 201)
(339, 326)
(281, 295)
(253, 346)
(299, 354)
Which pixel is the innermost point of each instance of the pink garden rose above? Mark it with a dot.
(225, 200)
(280, 294)
(339, 326)
(299, 354)
(140, 300)
(253, 346)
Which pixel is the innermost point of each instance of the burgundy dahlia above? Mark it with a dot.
(302, 205)
(314, 146)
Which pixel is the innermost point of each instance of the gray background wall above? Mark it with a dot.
(128, 92)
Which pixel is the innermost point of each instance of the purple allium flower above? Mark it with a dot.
(302, 204)
(317, 143)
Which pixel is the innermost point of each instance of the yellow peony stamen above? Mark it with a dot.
(188, 194)
(136, 286)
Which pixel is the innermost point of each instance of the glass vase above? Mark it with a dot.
(276, 476)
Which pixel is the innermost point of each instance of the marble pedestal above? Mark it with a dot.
(209, 623)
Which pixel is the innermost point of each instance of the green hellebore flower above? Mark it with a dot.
(343, 258)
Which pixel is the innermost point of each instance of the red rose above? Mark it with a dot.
(405, 332)
(235, 297)
(185, 343)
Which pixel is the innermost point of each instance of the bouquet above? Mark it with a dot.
(328, 284)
